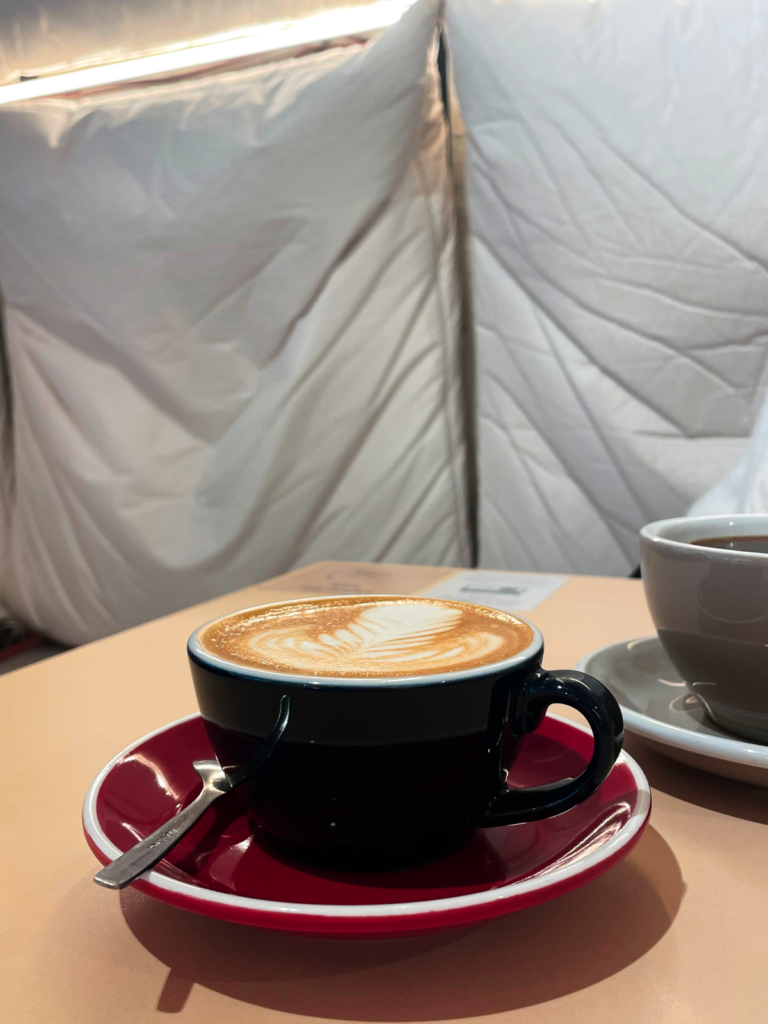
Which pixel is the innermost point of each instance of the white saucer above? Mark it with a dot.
(658, 707)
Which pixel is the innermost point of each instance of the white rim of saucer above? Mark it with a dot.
(722, 748)
(545, 880)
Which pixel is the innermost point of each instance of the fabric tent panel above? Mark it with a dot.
(232, 325)
(615, 161)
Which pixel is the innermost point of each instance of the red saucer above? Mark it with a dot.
(218, 869)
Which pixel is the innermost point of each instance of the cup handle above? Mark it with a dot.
(598, 705)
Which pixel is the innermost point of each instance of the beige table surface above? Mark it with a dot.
(677, 932)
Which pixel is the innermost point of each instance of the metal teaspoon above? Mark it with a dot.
(145, 854)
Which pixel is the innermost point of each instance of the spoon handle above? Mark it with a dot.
(140, 858)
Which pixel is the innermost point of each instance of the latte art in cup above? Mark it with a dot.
(367, 637)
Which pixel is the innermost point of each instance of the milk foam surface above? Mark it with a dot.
(367, 637)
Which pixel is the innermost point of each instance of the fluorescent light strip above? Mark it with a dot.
(275, 35)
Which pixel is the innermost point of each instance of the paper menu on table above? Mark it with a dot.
(507, 591)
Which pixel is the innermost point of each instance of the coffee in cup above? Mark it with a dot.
(367, 637)
(706, 581)
(405, 716)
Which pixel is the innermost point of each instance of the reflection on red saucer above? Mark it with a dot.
(220, 870)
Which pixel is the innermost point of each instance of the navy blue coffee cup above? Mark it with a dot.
(375, 774)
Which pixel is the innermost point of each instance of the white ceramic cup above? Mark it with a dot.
(710, 608)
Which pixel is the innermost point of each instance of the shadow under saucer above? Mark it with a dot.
(528, 957)
(697, 786)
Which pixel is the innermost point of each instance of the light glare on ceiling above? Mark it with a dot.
(275, 35)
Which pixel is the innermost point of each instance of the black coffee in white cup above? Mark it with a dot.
(405, 716)
(706, 581)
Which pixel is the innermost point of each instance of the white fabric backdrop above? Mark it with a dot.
(745, 488)
(231, 324)
(617, 163)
